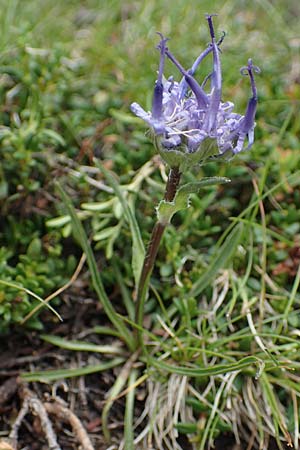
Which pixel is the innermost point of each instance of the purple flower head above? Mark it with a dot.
(191, 124)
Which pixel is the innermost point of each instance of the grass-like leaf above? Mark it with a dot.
(114, 392)
(81, 346)
(129, 412)
(205, 371)
(221, 258)
(138, 250)
(95, 275)
(126, 294)
(291, 298)
(47, 376)
(278, 418)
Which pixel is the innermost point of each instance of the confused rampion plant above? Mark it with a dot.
(191, 125)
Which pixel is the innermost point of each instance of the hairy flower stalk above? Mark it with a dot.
(190, 126)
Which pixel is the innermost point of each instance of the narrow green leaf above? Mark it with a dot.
(124, 291)
(60, 221)
(197, 406)
(138, 250)
(204, 371)
(57, 222)
(47, 376)
(98, 206)
(81, 346)
(95, 275)
(107, 331)
(292, 299)
(220, 260)
(129, 412)
(113, 392)
(106, 233)
(109, 250)
(278, 236)
(278, 419)
(186, 428)
(285, 383)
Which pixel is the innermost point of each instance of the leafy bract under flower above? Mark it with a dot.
(190, 125)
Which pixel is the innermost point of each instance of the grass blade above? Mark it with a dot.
(204, 371)
(95, 275)
(291, 299)
(223, 255)
(278, 419)
(114, 392)
(129, 412)
(47, 376)
(138, 250)
(82, 346)
(32, 294)
(126, 294)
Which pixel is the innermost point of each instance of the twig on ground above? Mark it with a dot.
(8, 362)
(31, 402)
(58, 409)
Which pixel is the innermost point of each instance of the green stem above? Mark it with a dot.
(150, 257)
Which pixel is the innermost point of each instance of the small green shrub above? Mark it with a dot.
(41, 270)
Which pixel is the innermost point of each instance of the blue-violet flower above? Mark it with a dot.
(191, 126)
